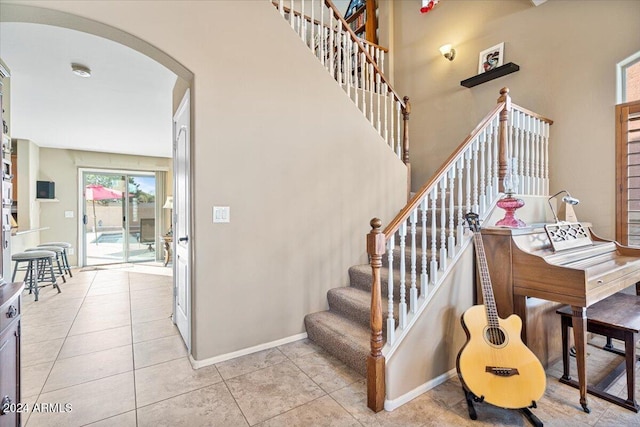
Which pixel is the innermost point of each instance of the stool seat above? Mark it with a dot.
(56, 249)
(618, 317)
(61, 244)
(39, 269)
(31, 255)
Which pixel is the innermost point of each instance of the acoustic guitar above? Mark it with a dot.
(494, 364)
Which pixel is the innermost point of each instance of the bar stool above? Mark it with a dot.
(65, 260)
(58, 251)
(37, 263)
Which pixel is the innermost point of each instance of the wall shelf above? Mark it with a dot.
(500, 71)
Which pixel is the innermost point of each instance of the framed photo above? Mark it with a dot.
(491, 58)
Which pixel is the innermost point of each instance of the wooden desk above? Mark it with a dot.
(168, 242)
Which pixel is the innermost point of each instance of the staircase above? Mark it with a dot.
(344, 330)
(412, 257)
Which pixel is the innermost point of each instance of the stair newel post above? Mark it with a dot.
(375, 360)
(406, 112)
(503, 132)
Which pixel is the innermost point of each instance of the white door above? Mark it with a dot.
(181, 221)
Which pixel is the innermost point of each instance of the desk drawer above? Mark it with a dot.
(9, 311)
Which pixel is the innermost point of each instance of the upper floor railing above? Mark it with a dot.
(355, 64)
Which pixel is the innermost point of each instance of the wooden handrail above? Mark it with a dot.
(402, 216)
(531, 113)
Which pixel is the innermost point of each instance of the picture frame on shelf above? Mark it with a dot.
(491, 58)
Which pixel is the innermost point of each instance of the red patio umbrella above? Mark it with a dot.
(95, 192)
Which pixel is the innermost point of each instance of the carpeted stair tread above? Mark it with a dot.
(345, 339)
(355, 304)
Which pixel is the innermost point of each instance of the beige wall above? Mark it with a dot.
(567, 52)
(300, 167)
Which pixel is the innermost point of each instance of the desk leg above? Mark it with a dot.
(579, 320)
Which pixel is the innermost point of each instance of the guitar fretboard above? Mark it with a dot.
(485, 281)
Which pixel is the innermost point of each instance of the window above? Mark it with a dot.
(629, 79)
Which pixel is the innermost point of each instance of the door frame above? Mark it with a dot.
(82, 250)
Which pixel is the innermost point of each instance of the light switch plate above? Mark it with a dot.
(221, 214)
(68, 214)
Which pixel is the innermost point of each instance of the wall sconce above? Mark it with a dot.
(569, 203)
(448, 51)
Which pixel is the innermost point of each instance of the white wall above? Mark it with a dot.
(567, 52)
(300, 167)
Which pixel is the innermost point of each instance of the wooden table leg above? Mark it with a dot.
(579, 320)
(631, 358)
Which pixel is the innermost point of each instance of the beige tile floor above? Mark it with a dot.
(107, 347)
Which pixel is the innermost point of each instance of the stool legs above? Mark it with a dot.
(38, 270)
(65, 262)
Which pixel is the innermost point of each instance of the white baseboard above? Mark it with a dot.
(196, 364)
(390, 405)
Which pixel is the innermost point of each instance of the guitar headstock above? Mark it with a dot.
(474, 221)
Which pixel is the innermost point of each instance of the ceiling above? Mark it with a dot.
(124, 107)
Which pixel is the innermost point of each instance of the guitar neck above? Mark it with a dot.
(485, 280)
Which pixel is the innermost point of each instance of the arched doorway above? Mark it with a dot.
(18, 13)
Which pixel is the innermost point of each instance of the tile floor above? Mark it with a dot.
(107, 347)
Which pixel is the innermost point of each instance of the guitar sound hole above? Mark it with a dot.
(495, 336)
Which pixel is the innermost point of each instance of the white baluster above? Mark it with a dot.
(398, 129)
(413, 293)
(443, 223)
(489, 145)
(521, 152)
(460, 228)
(386, 114)
(496, 151)
(378, 126)
(339, 64)
(312, 41)
(451, 242)
(527, 154)
(545, 189)
(363, 82)
(371, 89)
(534, 156)
(402, 307)
(331, 48)
(433, 269)
(391, 323)
(322, 32)
(280, 8)
(474, 148)
(356, 82)
(292, 15)
(483, 197)
(467, 157)
(303, 23)
(424, 277)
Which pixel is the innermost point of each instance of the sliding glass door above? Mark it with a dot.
(119, 217)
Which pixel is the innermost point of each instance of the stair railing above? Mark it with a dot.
(428, 234)
(355, 64)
